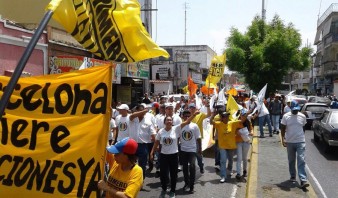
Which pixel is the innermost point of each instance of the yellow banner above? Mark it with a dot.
(54, 134)
(216, 71)
(109, 29)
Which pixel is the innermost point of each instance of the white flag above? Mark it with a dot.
(261, 94)
(198, 102)
(221, 97)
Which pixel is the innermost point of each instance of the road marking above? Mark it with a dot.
(316, 181)
(234, 191)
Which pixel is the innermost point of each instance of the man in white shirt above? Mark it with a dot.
(293, 138)
(190, 138)
(122, 122)
(143, 132)
(263, 117)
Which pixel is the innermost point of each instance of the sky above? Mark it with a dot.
(208, 22)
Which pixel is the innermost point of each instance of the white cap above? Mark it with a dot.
(169, 104)
(123, 106)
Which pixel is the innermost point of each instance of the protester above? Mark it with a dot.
(190, 142)
(125, 176)
(146, 99)
(243, 144)
(199, 121)
(168, 137)
(122, 122)
(226, 139)
(143, 132)
(276, 108)
(263, 117)
(293, 138)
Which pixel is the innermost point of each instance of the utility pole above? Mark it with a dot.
(263, 10)
(185, 22)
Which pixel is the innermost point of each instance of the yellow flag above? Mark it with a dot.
(110, 29)
(232, 107)
(216, 71)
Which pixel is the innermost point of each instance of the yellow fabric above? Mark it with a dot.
(55, 126)
(111, 30)
(232, 107)
(216, 71)
(53, 5)
(129, 182)
(227, 134)
(198, 119)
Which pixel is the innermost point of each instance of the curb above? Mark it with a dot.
(251, 186)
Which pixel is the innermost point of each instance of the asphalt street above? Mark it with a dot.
(206, 185)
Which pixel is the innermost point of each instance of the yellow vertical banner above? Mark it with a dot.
(216, 71)
(54, 134)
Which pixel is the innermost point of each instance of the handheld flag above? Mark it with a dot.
(192, 87)
(221, 97)
(261, 94)
(111, 29)
(232, 107)
(216, 71)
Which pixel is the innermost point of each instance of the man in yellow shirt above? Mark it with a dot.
(226, 139)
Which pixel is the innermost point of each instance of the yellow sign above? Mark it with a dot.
(110, 29)
(54, 134)
(216, 71)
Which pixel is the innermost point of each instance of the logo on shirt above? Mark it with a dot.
(167, 141)
(187, 135)
(123, 126)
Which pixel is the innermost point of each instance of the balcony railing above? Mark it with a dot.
(333, 8)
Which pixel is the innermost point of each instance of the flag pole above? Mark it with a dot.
(22, 63)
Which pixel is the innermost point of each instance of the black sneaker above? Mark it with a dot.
(202, 170)
(270, 135)
(261, 136)
(238, 177)
(304, 184)
(292, 179)
(185, 187)
(191, 191)
(244, 173)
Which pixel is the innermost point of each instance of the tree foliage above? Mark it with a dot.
(266, 53)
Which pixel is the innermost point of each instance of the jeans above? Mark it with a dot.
(168, 163)
(297, 149)
(242, 156)
(226, 154)
(142, 153)
(261, 122)
(217, 156)
(199, 159)
(275, 122)
(189, 167)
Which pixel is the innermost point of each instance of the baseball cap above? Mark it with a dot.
(126, 146)
(244, 111)
(156, 105)
(254, 97)
(294, 105)
(123, 106)
(169, 104)
(192, 105)
(224, 114)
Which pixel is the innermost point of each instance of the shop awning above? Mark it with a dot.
(159, 81)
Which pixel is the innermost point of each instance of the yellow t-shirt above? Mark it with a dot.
(198, 119)
(129, 182)
(227, 134)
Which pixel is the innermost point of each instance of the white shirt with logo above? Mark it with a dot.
(190, 133)
(123, 126)
(169, 139)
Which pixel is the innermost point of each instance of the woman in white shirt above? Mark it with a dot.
(167, 137)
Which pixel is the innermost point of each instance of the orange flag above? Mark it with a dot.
(192, 87)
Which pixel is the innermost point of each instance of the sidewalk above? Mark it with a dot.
(269, 171)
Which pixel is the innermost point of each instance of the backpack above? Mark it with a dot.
(334, 105)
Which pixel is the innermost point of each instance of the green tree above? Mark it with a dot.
(266, 53)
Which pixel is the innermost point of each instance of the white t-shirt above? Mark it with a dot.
(158, 119)
(123, 126)
(141, 131)
(294, 127)
(176, 121)
(287, 109)
(112, 125)
(190, 133)
(168, 139)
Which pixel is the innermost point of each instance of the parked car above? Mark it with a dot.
(312, 111)
(318, 99)
(325, 129)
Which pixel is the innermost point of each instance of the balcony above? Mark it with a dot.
(330, 68)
